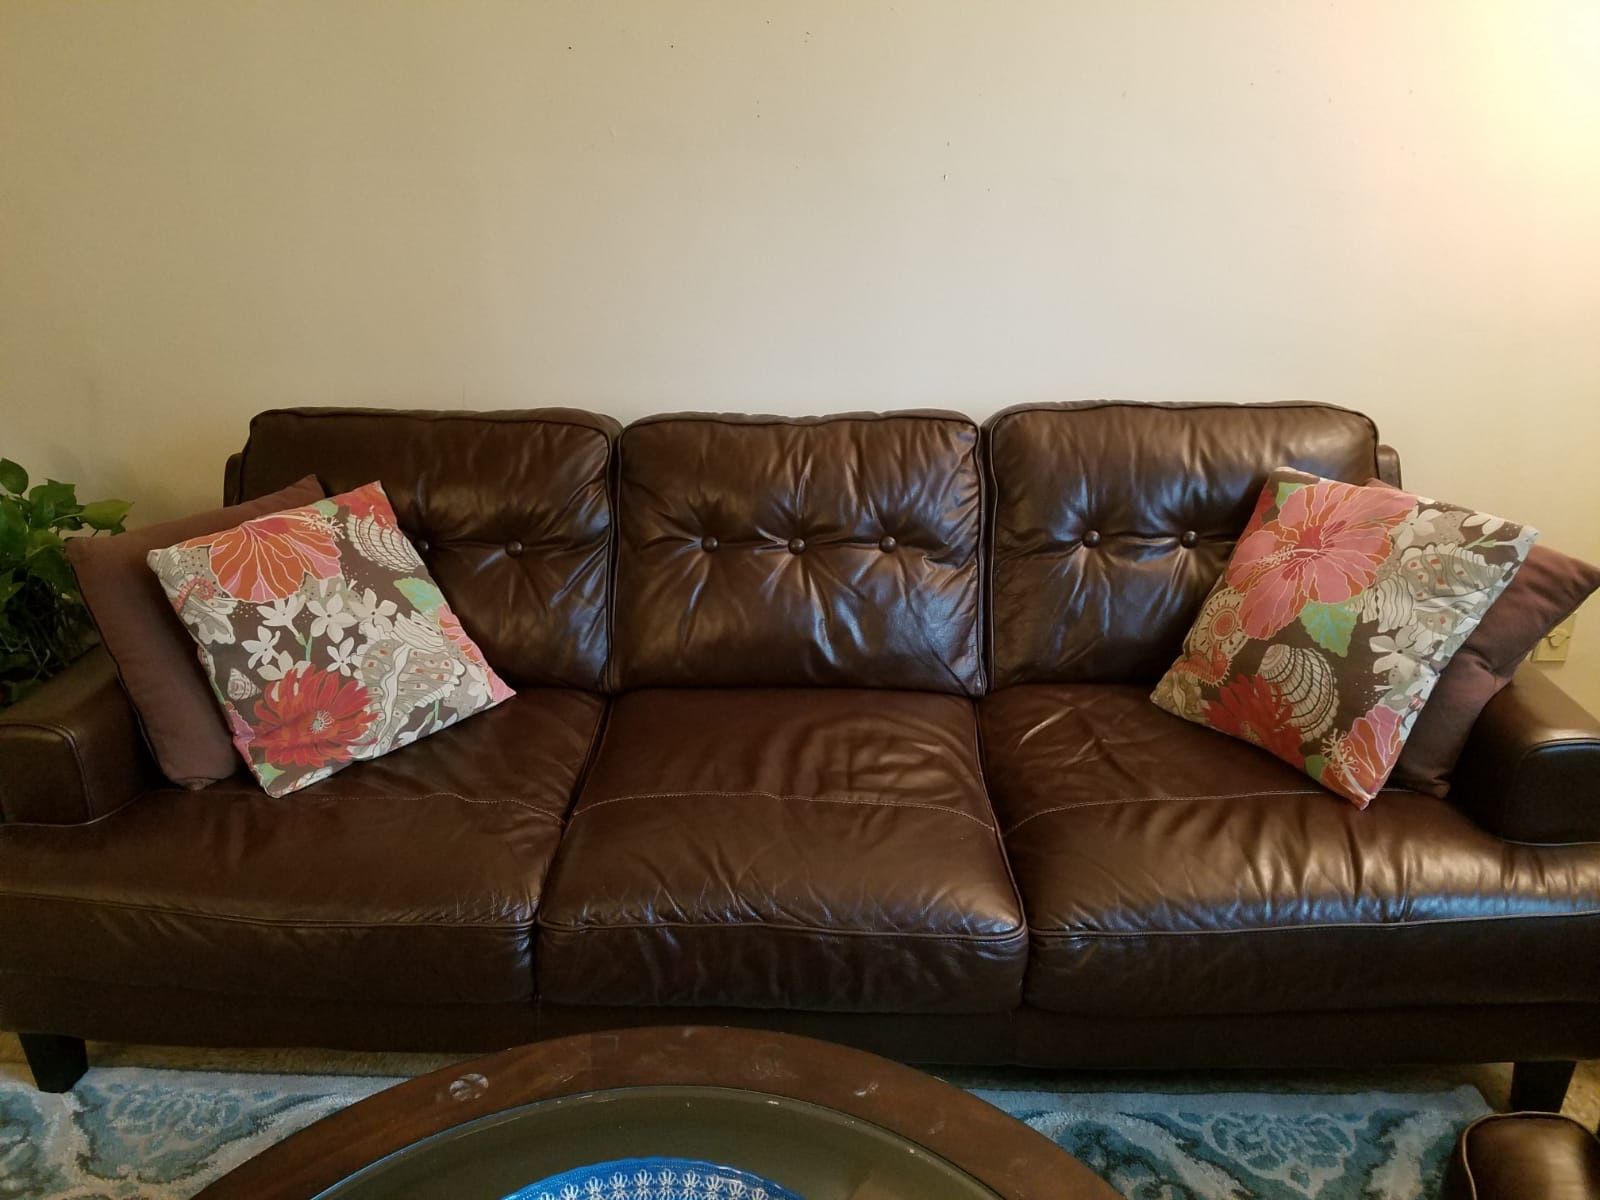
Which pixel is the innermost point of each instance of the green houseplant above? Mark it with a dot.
(43, 622)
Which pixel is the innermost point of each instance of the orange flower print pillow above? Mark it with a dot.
(324, 637)
(1329, 628)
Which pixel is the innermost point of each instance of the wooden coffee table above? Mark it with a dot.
(824, 1121)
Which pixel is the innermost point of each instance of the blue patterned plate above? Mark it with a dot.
(654, 1179)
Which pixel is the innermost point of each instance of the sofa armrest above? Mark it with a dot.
(1389, 465)
(1531, 769)
(72, 750)
(233, 478)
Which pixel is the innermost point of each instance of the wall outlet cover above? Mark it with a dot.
(1554, 646)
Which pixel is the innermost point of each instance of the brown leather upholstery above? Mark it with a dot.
(1111, 521)
(1389, 465)
(511, 511)
(72, 751)
(789, 848)
(411, 879)
(1524, 1156)
(1168, 870)
(762, 551)
(1531, 770)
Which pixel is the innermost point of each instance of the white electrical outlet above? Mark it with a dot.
(1554, 645)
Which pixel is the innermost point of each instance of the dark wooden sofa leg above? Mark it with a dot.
(1540, 1086)
(56, 1062)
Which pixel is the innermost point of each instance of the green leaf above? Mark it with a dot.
(1287, 489)
(105, 514)
(13, 533)
(424, 596)
(50, 498)
(40, 540)
(12, 477)
(266, 772)
(1316, 764)
(51, 566)
(1330, 625)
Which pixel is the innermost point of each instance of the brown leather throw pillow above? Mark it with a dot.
(1546, 591)
(153, 653)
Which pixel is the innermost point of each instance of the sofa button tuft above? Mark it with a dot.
(709, 543)
(1092, 538)
(1189, 538)
(513, 548)
(421, 544)
(797, 545)
(887, 543)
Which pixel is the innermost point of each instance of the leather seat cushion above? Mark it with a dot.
(414, 878)
(1169, 870)
(825, 849)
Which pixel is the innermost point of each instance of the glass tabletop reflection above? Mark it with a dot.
(663, 1143)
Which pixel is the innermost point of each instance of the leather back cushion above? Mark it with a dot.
(511, 511)
(1111, 521)
(755, 551)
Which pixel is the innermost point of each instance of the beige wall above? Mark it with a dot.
(208, 208)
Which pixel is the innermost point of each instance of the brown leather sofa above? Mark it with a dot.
(834, 725)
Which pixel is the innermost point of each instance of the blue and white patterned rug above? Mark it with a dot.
(127, 1133)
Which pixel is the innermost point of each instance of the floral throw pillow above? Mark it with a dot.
(1337, 612)
(324, 637)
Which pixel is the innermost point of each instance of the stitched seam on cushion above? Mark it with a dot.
(533, 808)
(569, 545)
(1158, 799)
(428, 416)
(252, 794)
(1017, 934)
(1182, 406)
(1466, 1157)
(236, 919)
(1069, 935)
(768, 421)
(954, 812)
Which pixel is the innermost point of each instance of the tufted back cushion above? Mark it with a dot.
(1111, 521)
(761, 551)
(511, 511)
